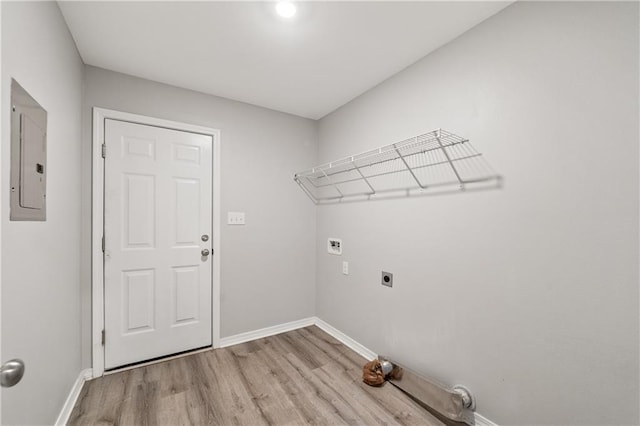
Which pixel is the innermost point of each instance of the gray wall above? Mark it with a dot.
(41, 260)
(268, 265)
(529, 294)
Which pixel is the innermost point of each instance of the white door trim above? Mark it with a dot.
(97, 226)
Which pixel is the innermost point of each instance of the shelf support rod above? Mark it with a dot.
(334, 185)
(408, 168)
(446, 154)
(373, 191)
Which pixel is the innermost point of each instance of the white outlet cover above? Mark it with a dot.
(334, 246)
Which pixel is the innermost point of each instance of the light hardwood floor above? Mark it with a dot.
(301, 377)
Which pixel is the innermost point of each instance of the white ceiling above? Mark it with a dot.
(309, 66)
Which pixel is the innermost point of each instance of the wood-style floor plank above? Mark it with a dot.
(301, 377)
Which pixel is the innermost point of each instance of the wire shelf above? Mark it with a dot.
(438, 160)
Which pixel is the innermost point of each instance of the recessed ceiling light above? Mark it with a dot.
(286, 9)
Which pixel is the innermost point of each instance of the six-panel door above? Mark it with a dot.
(157, 209)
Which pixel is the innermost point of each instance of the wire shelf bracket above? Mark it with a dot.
(437, 161)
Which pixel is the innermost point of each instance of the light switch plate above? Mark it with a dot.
(345, 267)
(235, 218)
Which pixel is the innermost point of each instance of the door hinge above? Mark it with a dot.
(103, 244)
(103, 338)
(104, 150)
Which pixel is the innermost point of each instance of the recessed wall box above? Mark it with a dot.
(28, 157)
(334, 246)
(387, 279)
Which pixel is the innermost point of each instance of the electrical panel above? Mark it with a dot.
(28, 157)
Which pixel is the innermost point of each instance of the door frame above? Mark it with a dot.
(97, 223)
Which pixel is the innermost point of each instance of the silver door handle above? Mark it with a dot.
(204, 252)
(11, 372)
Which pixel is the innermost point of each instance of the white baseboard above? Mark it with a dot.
(293, 325)
(346, 340)
(265, 332)
(67, 408)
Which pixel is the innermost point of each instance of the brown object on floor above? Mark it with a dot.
(372, 373)
(301, 377)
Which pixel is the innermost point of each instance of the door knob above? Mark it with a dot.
(204, 252)
(11, 372)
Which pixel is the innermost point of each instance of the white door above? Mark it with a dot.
(158, 222)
